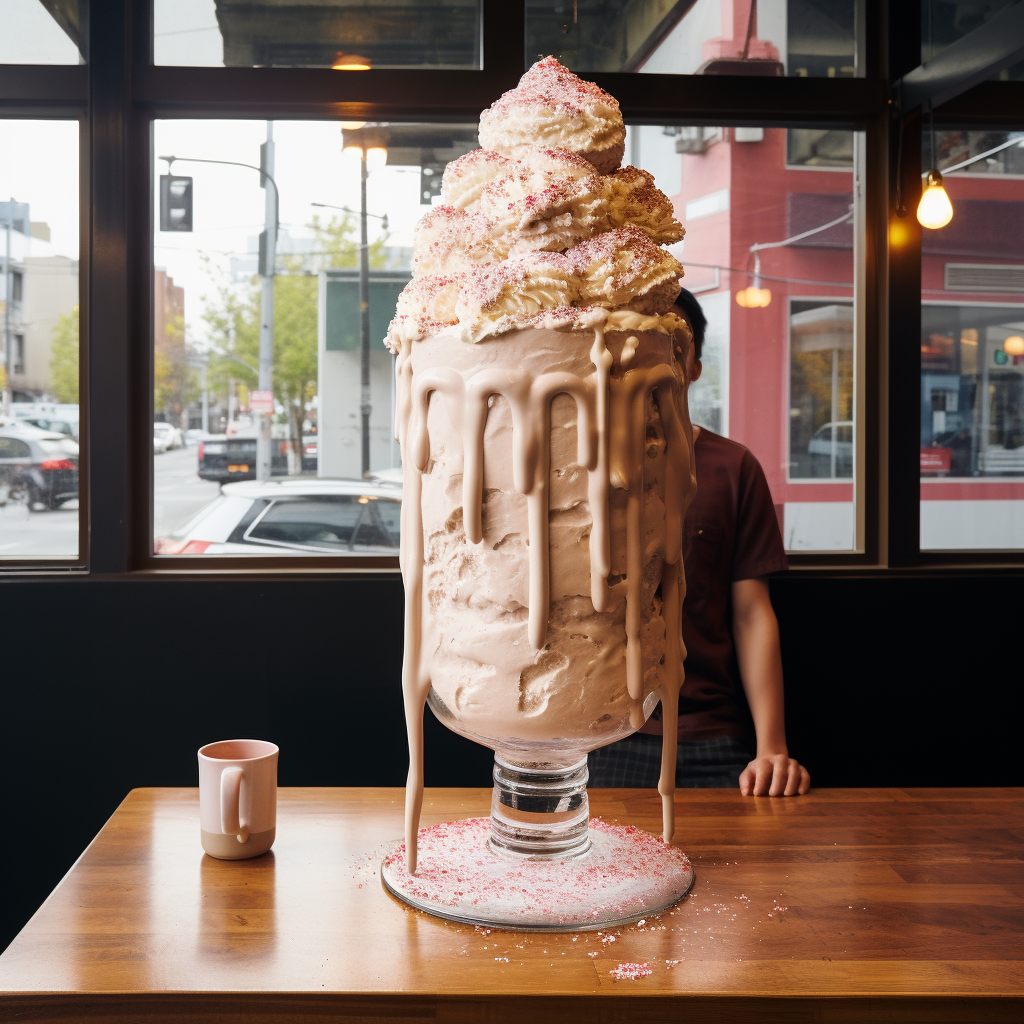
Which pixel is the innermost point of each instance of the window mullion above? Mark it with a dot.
(109, 382)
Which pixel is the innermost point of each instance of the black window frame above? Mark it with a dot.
(118, 94)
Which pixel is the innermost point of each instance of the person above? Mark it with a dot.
(732, 692)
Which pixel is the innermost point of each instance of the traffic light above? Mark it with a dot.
(175, 203)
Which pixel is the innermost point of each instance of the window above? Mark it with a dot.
(39, 337)
(804, 38)
(272, 33)
(972, 348)
(212, 284)
(764, 185)
(760, 214)
(33, 32)
(13, 448)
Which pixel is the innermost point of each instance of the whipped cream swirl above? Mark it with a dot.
(541, 224)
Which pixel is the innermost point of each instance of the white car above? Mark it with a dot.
(821, 444)
(165, 437)
(293, 516)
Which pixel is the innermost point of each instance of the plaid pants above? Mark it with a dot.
(635, 763)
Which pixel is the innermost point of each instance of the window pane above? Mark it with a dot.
(282, 33)
(39, 339)
(778, 378)
(806, 38)
(944, 22)
(43, 31)
(972, 349)
(210, 297)
(762, 210)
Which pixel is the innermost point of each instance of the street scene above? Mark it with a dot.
(178, 493)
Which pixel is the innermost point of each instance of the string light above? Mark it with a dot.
(754, 296)
(1014, 345)
(935, 210)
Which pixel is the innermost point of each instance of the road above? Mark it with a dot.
(178, 494)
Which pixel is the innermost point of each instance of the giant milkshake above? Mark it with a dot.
(547, 458)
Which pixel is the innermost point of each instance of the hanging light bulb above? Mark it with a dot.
(935, 210)
(1014, 345)
(376, 157)
(754, 296)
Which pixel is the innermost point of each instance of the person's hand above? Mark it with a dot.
(774, 775)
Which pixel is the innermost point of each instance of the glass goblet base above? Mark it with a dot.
(539, 863)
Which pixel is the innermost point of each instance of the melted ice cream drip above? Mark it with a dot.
(610, 460)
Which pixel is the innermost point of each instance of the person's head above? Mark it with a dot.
(689, 309)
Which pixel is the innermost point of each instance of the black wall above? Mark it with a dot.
(112, 685)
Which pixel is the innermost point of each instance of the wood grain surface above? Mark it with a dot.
(843, 905)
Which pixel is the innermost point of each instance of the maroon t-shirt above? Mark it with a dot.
(731, 533)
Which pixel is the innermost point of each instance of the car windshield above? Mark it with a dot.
(330, 523)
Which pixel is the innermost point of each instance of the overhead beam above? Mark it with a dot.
(995, 45)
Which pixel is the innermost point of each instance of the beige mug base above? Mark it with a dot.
(229, 848)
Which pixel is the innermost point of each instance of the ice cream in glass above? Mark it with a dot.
(547, 461)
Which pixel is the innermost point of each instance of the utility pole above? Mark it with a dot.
(8, 296)
(364, 313)
(266, 374)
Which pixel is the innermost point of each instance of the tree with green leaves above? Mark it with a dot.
(174, 381)
(233, 318)
(64, 358)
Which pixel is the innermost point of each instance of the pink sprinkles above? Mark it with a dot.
(457, 871)
(549, 84)
(630, 972)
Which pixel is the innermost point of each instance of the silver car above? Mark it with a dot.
(293, 515)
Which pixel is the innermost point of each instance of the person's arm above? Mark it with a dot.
(755, 633)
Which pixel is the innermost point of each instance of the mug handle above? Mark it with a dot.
(230, 811)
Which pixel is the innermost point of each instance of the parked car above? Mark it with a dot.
(294, 515)
(224, 457)
(165, 437)
(56, 425)
(37, 466)
(820, 449)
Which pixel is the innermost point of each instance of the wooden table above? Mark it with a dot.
(867, 905)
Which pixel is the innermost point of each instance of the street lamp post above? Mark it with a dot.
(266, 374)
(364, 141)
(365, 405)
(364, 315)
(272, 211)
(8, 295)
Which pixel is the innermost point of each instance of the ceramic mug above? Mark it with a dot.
(238, 798)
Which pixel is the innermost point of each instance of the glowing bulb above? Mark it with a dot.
(352, 125)
(1014, 345)
(935, 210)
(352, 153)
(376, 156)
(350, 62)
(753, 297)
